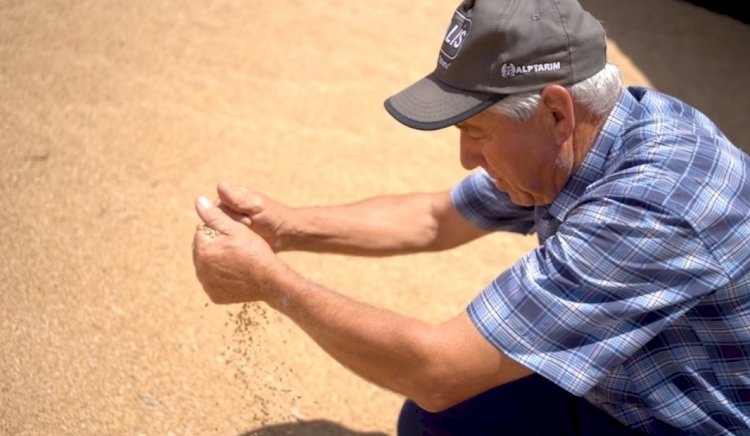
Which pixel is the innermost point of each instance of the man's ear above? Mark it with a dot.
(558, 104)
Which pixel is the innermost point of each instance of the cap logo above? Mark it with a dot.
(455, 36)
(509, 70)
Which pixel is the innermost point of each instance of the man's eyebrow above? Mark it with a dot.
(466, 127)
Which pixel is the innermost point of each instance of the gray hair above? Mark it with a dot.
(599, 94)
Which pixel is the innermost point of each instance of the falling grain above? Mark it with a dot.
(262, 382)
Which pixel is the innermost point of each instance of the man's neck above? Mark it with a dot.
(586, 131)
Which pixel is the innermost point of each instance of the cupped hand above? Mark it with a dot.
(233, 263)
(268, 218)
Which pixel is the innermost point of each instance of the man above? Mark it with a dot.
(630, 316)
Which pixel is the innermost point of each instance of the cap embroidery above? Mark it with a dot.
(509, 70)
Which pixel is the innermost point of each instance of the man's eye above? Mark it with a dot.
(472, 134)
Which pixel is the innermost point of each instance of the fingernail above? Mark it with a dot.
(204, 202)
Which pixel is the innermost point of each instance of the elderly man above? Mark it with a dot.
(630, 316)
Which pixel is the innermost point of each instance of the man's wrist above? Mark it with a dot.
(278, 284)
(292, 233)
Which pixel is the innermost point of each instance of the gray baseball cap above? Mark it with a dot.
(493, 48)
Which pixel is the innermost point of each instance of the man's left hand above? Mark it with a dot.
(233, 263)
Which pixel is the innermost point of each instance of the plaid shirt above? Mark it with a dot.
(638, 296)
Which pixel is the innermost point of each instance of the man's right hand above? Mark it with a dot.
(377, 226)
(266, 217)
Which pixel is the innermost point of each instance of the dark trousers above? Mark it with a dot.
(529, 406)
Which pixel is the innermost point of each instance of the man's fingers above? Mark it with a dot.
(244, 219)
(239, 199)
(213, 216)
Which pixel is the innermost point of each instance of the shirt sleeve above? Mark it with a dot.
(478, 200)
(613, 276)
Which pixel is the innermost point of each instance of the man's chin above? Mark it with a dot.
(523, 203)
(520, 198)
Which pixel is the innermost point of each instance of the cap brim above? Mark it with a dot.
(430, 104)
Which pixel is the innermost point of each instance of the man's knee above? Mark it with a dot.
(408, 419)
(532, 405)
(413, 420)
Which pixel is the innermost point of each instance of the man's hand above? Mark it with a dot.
(233, 263)
(267, 218)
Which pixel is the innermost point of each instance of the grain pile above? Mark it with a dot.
(116, 114)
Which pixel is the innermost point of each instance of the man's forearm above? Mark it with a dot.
(381, 346)
(381, 226)
(436, 365)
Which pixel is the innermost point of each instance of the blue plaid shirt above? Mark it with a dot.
(638, 296)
